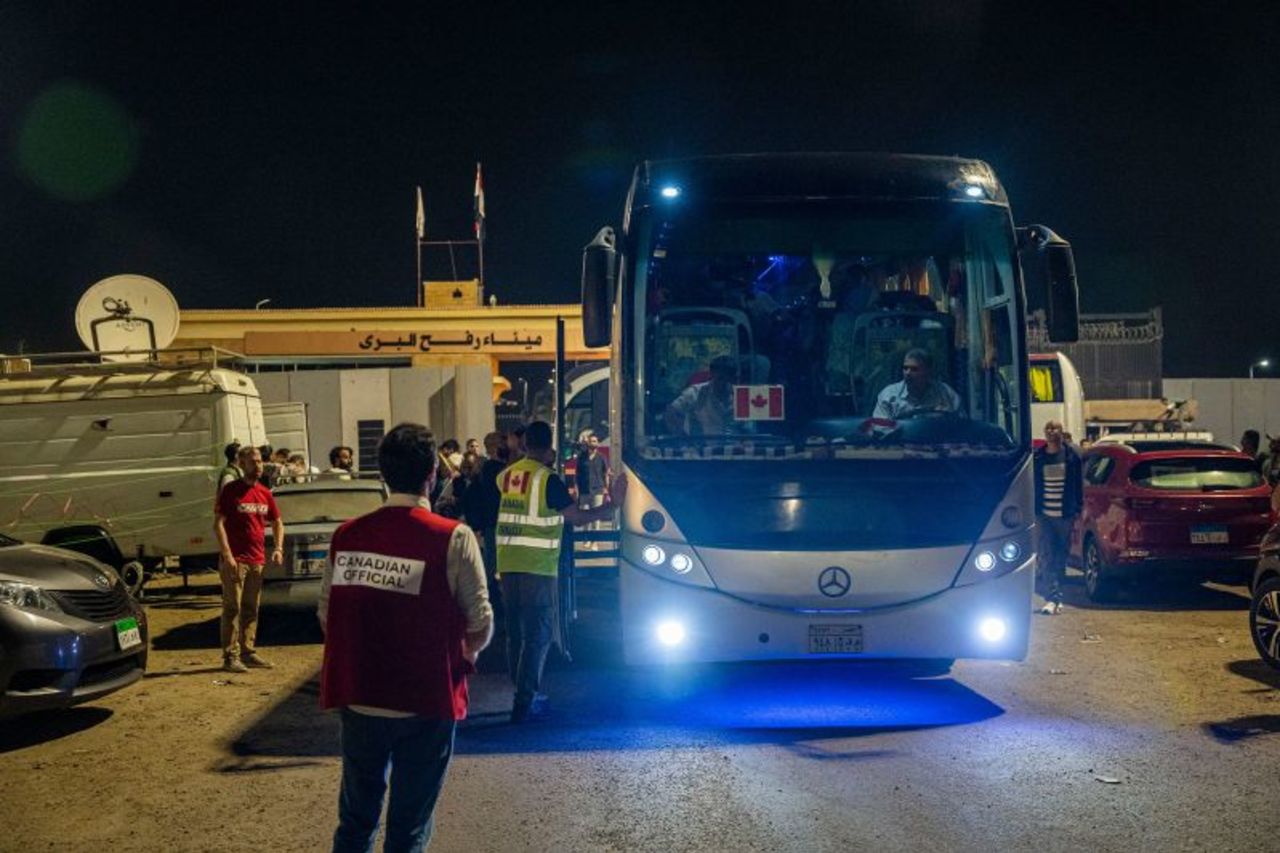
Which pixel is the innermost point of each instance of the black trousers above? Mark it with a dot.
(528, 603)
(1055, 544)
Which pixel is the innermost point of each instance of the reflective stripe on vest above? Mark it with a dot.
(528, 531)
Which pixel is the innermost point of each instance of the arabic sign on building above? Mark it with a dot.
(448, 342)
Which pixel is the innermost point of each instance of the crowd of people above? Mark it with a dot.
(283, 465)
(412, 587)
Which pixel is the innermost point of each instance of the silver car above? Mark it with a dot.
(312, 510)
(69, 630)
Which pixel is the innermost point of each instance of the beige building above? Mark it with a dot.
(361, 370)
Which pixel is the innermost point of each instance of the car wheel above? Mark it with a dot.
(1098, 584)
(134, 575)
(1264, 621)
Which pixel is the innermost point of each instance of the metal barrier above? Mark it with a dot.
(592, 560)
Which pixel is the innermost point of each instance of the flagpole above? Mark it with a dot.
(479, 228)
(419, 232)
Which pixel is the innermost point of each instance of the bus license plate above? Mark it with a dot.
(1209, 534)
(127, 633)
(835, 639)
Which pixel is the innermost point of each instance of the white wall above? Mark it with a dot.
(319, 390)
(1230, 406)
(410, 395)
(474, 401)
(455, 401)
(366, 395)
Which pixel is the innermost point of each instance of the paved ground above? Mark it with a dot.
(1146, 725)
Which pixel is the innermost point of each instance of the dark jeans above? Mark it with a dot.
(528, 601)
(418, 751)
(1055, 543)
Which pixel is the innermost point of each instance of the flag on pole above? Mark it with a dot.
(478, 203)
(420, 223)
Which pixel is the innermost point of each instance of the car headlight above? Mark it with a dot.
(26, 595)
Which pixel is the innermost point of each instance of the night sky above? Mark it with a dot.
(244, 151)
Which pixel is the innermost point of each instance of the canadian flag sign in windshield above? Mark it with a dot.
(758, 403)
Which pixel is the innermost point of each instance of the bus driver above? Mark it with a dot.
(917, 392)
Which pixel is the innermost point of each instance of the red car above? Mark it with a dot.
(1156, 506)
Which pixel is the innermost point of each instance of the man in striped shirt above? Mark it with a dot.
(1059, 498)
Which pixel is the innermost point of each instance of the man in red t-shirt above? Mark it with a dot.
(244, 507)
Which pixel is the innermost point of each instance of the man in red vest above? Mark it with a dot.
(405, 611)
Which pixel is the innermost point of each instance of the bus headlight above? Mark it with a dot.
(653, 555)
(995, 557)
(671, 561)
(670, 633)
(993, 629)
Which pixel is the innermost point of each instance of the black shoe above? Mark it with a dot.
(519, 713)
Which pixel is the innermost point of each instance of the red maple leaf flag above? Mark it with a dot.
(516, 481)
(758, 403)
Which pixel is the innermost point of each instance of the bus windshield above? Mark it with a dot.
(826, 330)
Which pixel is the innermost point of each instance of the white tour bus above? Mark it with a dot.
(1057, 394)
(776, 508)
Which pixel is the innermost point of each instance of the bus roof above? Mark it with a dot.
(853, 175)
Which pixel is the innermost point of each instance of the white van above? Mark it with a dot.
(127, 451)
(287, 428)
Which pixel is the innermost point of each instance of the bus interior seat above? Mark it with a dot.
(689, 338)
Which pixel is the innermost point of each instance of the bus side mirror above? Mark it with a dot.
(1050, 269)
(599, 262)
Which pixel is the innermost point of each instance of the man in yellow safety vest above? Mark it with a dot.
(535, 505)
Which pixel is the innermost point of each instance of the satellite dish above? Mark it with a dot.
(128, 316)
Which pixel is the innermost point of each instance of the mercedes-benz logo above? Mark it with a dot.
(102, 580)
(834, 582)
